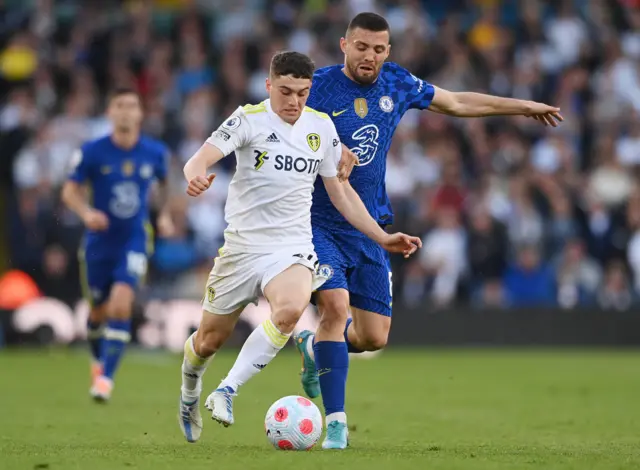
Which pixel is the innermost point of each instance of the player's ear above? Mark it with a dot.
(268, 85)
(388, 51)
(343, 45)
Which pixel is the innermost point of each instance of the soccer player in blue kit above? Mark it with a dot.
(366, 98)
(119, 170)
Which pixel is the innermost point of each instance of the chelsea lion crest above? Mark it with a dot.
(386, 104)
(146, 171)
(325, 271)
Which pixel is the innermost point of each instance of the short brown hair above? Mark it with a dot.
(121, 91)
(292, 63)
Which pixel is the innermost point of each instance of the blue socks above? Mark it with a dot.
(350, 347)
(332, 363)
(116, 335)
(94, 336)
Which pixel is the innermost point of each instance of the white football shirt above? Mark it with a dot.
(269, 202)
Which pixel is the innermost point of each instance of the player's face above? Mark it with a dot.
(288, 96)
(364, 54)
(125, 112)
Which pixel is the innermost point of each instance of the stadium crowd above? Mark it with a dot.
(512, 214)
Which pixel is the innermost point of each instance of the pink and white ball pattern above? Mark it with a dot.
(293, 423)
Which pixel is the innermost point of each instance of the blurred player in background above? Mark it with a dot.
(366, 98)
(118, 170)
(281, 146)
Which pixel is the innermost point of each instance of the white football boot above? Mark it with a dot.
(220, 403)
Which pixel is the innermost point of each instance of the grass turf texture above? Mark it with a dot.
(420, 409)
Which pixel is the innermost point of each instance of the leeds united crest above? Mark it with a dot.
(314, 141)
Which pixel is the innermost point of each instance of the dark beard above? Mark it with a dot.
(362, 80)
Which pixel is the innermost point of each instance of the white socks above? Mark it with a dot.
(339, 416)
(264, 343)
(193, 367)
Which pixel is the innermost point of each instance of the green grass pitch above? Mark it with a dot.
(419, 409)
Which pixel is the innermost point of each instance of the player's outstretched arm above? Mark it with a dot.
(195, 170)
(349, 204)
(468, 104)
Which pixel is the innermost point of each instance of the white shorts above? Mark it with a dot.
(237, 279)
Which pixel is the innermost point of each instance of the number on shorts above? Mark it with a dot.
(390, 285)
(137, 263)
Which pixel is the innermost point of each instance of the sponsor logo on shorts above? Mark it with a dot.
(211, 294)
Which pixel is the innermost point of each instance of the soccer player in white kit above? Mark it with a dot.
(280, 146)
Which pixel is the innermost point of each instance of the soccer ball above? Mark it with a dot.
(293, 423)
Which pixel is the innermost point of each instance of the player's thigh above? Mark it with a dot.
(372, 328)
(286, 285)
(96, 278)
(371, 282)
(128, 274)
(333, 262)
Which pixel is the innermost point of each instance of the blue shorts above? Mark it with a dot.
(355, 263)
(127, 265)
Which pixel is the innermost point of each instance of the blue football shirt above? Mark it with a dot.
(366, 116)
(119, 181)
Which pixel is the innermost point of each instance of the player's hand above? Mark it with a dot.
(347, 161)
(200, 184)
(547, 115)
(166, 229)
(401, 243)
(95, 220)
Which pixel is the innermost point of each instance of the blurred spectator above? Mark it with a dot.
(443, 256)
(529, 282)
(485, 249)
(578, 276)
(615, 292)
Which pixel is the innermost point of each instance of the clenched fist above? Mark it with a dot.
(95, 220)
(200, 184)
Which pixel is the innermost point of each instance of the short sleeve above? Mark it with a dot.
(420, 93)
(332, 154)
(163, 163)
(232, 134)
(80, 165)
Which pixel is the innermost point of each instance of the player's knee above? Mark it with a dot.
(286, 316)
(120, 310)
(120, 303)
(97, 314)
(334, 310)
(374, 341)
